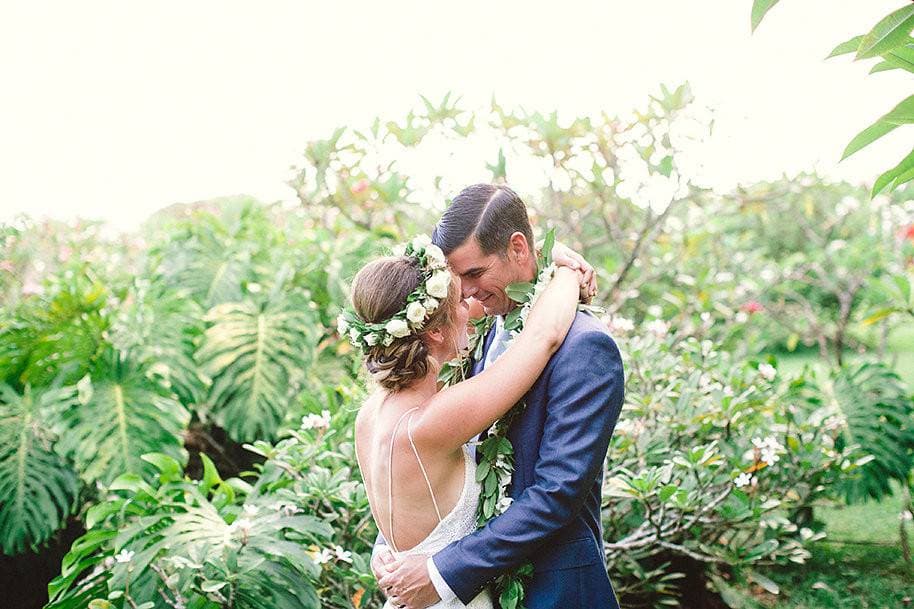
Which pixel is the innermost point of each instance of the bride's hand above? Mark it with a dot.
(562, 255)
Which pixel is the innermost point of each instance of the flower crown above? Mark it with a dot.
(420, 304)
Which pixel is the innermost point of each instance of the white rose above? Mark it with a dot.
(397, 328)
(438, 285)
(421, 241)
(371, 339)
(434, 253)
(342, 326)
(415, 312)
(430, 304)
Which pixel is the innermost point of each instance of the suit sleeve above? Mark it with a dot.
(585, 395)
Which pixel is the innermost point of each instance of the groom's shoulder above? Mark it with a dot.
(587, 331)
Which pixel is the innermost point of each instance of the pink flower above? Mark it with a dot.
(752, 306)
(360, 186)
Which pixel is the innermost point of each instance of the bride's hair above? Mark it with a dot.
(379, 291)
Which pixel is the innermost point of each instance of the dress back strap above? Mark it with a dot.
(409, 433)
(390, 475)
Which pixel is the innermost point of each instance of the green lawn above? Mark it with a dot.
(860, 564)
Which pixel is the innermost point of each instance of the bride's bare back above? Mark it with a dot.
(414, 511)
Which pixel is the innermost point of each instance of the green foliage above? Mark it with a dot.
(38, 487)
(121, 414)
(705, 439)
(875, 414)
(196, 543)
(251, 352)
(57, 338)
(890, 39)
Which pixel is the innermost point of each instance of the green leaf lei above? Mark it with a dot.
(496, 465)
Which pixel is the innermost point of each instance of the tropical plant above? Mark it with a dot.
(122, 412)
(875, 411)
(890, 40)
(188, 543)
(39, 488)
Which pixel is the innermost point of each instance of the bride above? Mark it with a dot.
(412, 437)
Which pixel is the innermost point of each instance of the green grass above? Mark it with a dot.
(860, 564)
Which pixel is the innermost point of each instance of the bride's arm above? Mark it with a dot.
(458, 413)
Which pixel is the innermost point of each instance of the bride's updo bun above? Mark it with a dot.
(379, 291)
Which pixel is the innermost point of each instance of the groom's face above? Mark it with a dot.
(485, 276)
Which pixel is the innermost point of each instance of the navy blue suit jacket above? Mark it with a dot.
(560, 444)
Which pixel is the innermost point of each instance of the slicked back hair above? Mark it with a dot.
(488, 212)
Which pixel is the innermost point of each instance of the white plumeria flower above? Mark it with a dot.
(241, 524)
(658, 328)
(341, 554)
(314, 421)
(769, 456)
(620, 325)
(397, 328)
(287, 509)
(124, 556)
(438, 285)
(767, 371)
(415, 312)
(744, 479)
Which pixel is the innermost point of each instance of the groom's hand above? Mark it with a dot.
(407, 583)
(381, 563)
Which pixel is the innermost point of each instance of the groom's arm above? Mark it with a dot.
(584, 404)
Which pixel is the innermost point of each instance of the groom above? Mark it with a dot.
(560, 441)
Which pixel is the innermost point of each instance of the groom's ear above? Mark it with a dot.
(518, 249)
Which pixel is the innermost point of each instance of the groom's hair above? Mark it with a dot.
(490, 213)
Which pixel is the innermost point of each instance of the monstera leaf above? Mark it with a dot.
(38, 488)
(255, 355)
(122, 413)
(160, 327)
(57, 336)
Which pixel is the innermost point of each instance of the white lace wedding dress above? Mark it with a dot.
(458, 523)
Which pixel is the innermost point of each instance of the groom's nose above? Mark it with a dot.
(467, 290)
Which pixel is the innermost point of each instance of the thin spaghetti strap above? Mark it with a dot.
(390, 480)
(409, 433)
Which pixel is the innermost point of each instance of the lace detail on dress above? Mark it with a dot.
(458, 523)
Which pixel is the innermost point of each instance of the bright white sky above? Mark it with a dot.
(115, 109)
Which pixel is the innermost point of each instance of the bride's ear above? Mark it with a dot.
(435, 337)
